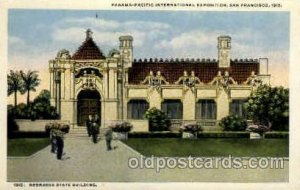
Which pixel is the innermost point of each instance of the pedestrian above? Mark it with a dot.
(95, 131)
(53, 140)
(108, 138)
(60, 144)
(89, 123)
(97, 121)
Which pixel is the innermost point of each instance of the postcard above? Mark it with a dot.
(160, 94)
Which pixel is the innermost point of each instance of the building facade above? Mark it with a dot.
(118, 87)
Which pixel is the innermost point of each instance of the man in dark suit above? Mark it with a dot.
(60, 144)
(95, 128)
(89, 124)
(53, 140)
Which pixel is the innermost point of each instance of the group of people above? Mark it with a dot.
(57, 143)
(93, 129)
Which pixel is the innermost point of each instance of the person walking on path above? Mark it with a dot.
(95, 129)
(97, 121)
(108, 138)
(53, 140)
(89, 124)
(60, 144)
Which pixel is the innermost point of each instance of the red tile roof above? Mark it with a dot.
(88, 50)
(206, 70)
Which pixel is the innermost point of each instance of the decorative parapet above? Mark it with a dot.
(188, 81)
(175, 60)
(223, 81)
(253, 80)
(154, 81)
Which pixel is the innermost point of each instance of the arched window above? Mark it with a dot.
(206, 109)
(172, 108)
(136, 109)
(237, 108)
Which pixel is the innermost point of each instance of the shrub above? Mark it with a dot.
(190, 127)
(57, 126)
(12, 126)
(40, 108)
(233, 123)
(261, 129)
(158, 120)
(122, 126)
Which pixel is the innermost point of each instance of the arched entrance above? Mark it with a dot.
(88, 103)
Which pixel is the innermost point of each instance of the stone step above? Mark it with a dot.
(83, 133)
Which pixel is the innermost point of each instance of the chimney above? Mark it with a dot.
(126, 50)
(224, 46)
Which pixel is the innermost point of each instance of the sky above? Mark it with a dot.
(35, 36)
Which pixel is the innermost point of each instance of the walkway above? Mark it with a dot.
(89, 162)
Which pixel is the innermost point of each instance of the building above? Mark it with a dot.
(118, 87)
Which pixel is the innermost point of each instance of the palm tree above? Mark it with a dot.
(30, 81)
(14, 84)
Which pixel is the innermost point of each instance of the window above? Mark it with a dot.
(172, 108)
(136, 109)
(206, 109)
(236, 108)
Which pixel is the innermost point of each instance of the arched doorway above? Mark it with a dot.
(88, 103)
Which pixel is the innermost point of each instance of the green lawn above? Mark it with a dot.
(25, 146)
(210, 147)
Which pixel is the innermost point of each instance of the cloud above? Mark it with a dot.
(107, 32)
(202, 44)
(279, 67)
(17, 44)
(76, 36)
(190, 44)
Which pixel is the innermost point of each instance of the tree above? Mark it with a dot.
(14, 84)
(269, 106)
(41, 106)
(30, 81)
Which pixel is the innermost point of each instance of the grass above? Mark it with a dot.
(25, 146)
(243, 147)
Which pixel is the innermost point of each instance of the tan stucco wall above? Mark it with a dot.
(239, 93)
(222, 104)
(206, 93)
(172, 93)
(154, 99)
(189, 105)
(139, 125)
(110, 110)
(67, 110)
(137, 93)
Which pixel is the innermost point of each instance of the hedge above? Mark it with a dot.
(29, 134)
(277, 134)
(222, 134)
(160, 134)
(217, 134)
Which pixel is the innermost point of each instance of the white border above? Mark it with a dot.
(293, 6)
